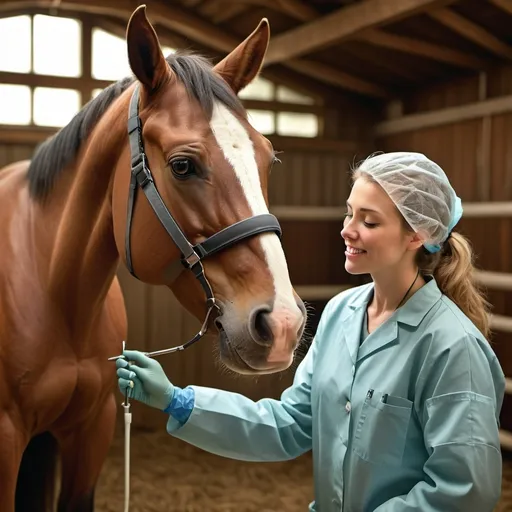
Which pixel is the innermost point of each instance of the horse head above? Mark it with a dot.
(211, 170)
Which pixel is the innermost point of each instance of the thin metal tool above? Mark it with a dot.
(127, 425)
(212, 306)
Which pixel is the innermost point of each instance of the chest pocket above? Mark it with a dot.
(381, 429)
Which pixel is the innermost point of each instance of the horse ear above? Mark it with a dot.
(144, 53)
(242, 65)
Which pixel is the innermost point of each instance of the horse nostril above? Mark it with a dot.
(260, 327)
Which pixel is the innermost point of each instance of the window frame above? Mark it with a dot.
(85, 84)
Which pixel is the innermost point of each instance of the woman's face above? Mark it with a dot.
(375, 238)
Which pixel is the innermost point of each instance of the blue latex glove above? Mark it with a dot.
(150, 384)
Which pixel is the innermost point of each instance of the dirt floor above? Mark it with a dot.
(168, 475)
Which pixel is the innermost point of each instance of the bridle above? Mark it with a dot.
(191, 255)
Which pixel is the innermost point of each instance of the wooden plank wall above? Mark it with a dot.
(476, 154)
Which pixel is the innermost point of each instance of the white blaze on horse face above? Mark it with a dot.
(238, 149)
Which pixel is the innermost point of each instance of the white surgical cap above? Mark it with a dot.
(420, 190)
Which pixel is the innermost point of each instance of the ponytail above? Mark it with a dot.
(454, 273)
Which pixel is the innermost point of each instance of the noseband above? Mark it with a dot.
(191, 255)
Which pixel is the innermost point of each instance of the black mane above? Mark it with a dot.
(53, 155)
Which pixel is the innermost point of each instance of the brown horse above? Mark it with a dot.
(63, 220)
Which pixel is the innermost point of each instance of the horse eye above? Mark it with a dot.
(182, 167)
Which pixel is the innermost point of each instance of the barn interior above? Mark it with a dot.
(342, 79)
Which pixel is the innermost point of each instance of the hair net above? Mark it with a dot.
(420, 190)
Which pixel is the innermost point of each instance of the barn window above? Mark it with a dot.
(258, 89)
(297, 124)
(276, 114)
(287, 95)
(110, 56)
(43, 83)
(262, 120)
(15, 104)
(15, 36)
(51, 56)
(55, 107)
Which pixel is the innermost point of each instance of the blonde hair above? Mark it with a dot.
(454, 271)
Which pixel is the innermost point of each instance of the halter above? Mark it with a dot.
(191, 255)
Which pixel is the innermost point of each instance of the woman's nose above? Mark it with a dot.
(347, 231)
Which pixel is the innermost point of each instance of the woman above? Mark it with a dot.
(399, 394)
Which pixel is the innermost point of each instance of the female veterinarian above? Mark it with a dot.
(399, 394)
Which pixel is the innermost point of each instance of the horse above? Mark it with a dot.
(65, 229)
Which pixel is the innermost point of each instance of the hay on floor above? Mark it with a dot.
(167, 475)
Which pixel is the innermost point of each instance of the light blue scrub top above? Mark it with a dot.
(432, 445)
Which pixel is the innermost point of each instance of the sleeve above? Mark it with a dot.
(462, 393)
(232, 425)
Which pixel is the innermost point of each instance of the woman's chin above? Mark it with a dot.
(354, 269)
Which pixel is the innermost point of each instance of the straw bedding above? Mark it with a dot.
(169, 475)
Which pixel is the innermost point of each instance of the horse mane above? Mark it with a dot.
(54, 154)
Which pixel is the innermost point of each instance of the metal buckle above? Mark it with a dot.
(192, 259)
(142, 173)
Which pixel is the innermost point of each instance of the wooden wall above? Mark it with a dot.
(476, 154)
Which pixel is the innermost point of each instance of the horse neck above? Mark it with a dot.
(84, 257)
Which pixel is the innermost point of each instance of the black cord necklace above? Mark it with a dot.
(407, 292)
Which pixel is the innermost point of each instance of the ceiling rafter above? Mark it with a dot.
(195, 28)
(297, 9)
(173, 40)
(504, 5)
(338, 78)
(343, 24)
(422, 48)
(229, 12)
(169, 37)
(471, 31)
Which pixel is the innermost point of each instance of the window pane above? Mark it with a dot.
(55, 107)
(57, 46)
(287, 95)
(166, 50)
(258, 89)
(262, 120)
(109, 56)
(297, 125)
(14, 104)
(15, 43)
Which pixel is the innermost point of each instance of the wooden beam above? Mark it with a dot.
(230, 11)
(472, 31)
(494, 280)
(281, 106)
(298, 9)
(444, 116)
(343, 24)
(35, 135)
(314, 144)
(29, 135)
(179, 20)
(64, 82)
(422, 48)
(338, 78)
(505, 5)
(493, 209)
